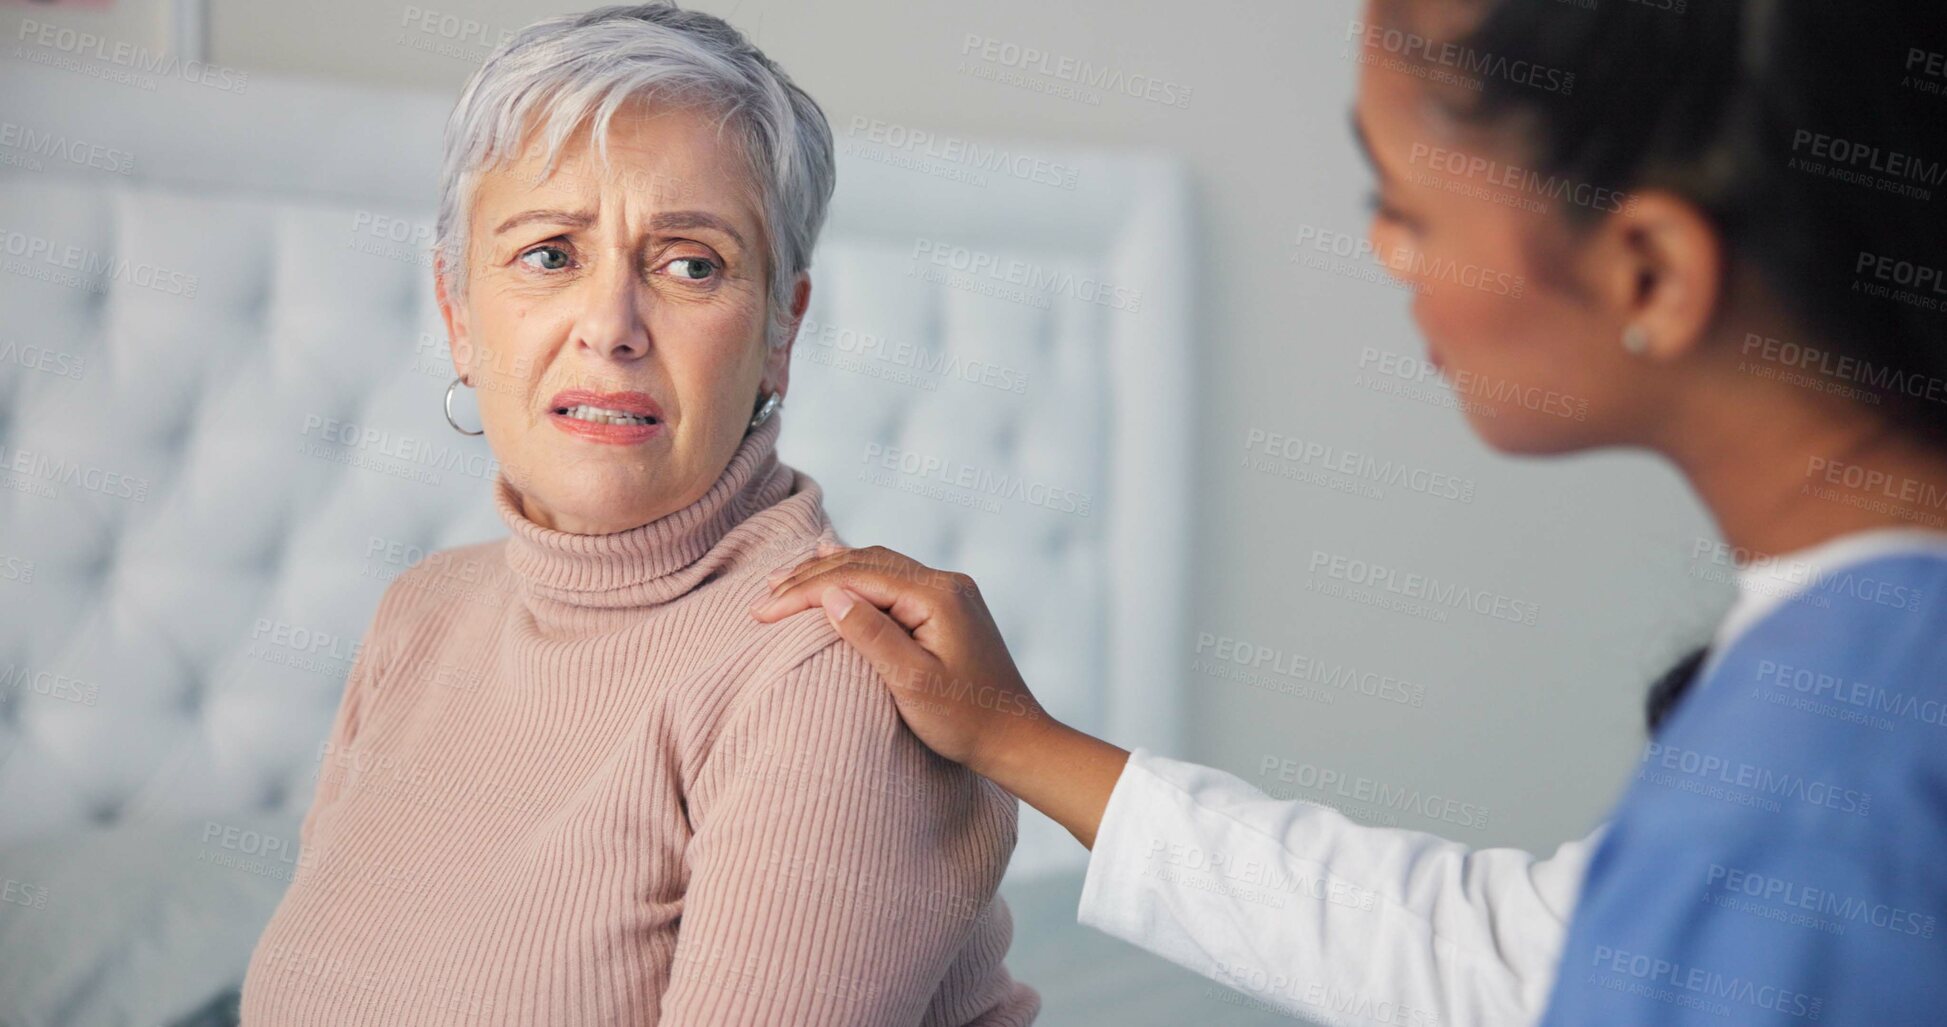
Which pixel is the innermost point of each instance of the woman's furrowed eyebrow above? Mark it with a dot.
(668, 221)
(570, 218)
(678, 220)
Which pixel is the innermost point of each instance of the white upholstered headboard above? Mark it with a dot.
(220, 429)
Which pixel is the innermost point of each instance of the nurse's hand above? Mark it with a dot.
(929, 635)
(939, 650)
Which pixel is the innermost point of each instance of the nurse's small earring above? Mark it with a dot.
(1636, 340)
(449, 410)
(769, 407)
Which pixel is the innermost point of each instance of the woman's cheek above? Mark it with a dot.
(1486, 331)
(706, 360)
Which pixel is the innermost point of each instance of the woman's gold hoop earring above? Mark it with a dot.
(771, 403)
(449, 411)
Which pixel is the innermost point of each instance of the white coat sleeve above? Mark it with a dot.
(1298, 907)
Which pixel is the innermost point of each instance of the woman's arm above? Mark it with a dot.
(840, 874)
(336, 758)
(953, 679)
(1288, 901)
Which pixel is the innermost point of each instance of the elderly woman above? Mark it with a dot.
(570, 780)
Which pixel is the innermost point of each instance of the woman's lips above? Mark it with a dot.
(597, 431)
(563, 407)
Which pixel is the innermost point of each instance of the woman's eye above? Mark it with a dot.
(546, 258)
(691, 269)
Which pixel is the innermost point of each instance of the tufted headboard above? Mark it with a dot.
(220, 431)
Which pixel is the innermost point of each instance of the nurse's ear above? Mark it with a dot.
(1659, 269)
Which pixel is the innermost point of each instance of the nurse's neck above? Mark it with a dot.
(1783, 466)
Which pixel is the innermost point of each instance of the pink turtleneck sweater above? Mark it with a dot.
(572, 781)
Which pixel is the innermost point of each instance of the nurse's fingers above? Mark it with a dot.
(825, 559)
(882, 640)
(876, 557)
(939, 650)
(889, 589)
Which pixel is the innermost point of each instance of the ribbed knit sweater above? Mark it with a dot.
(572, 781)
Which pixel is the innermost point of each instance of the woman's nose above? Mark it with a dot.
(611, 320)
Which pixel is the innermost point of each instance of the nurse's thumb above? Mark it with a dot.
(891, 650)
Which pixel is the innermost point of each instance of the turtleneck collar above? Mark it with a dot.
(655, 562)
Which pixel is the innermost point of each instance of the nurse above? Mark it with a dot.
(1728, 216)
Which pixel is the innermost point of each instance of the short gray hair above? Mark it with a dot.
(562, 73)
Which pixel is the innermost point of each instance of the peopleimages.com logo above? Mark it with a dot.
(54, 39)
(1453, 62)
(1032, 279)
(1009, 56)
(923, 145)
(33, 147)
(44, 259)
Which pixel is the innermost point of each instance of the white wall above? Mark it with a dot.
(1534, 725)
(136, 22)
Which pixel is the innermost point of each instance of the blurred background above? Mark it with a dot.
(1253, 432)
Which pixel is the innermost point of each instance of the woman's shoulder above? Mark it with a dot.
(738, 578)
(828, 726)
(795, 681)
(796, 669)
(423, 586)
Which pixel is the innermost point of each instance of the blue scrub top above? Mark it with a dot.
(1780, 856)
